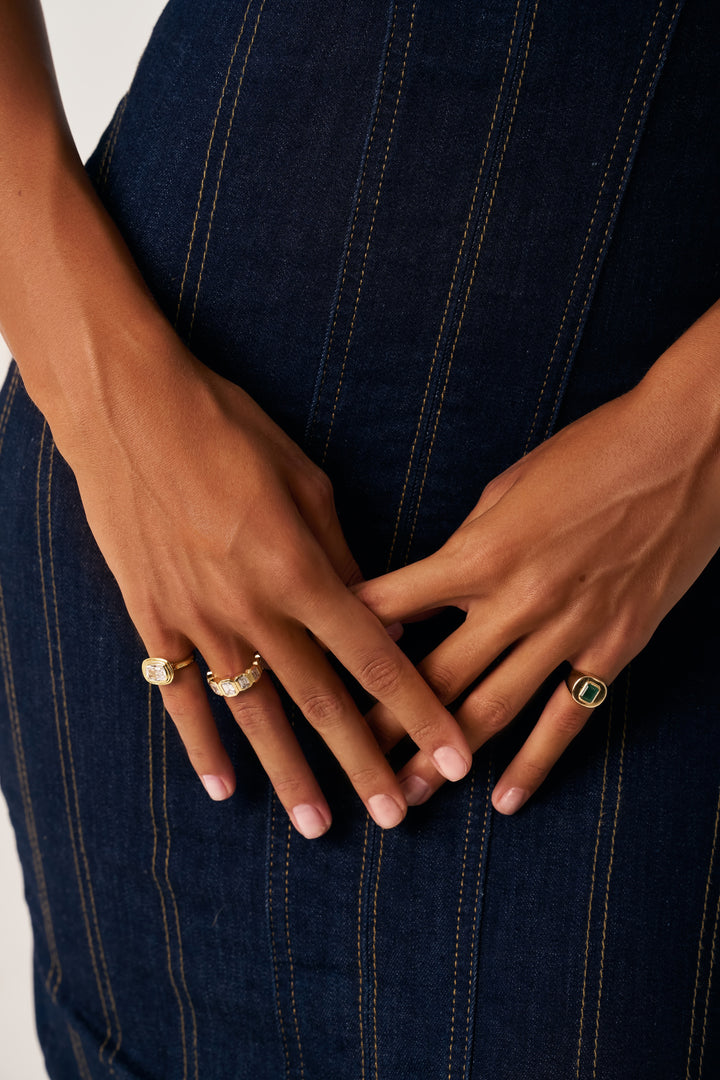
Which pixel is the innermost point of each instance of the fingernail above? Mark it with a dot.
(216, 787)
(385, 811)
(395, 630)
(511, 801)
(450, 763)
(415, 790)
(309, 821)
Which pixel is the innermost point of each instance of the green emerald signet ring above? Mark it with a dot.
(586, 690)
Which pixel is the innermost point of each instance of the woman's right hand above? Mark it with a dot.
(223, 538)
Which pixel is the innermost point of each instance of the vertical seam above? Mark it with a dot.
(457, 923)
(71, 761)
(289, 949)
(359, 950)
(374, 952)
(370, 233)
(54, 975)
(701, 938)
(222, 166)
(7, 405)
(592, 889)
(171, 891)
(358, 200)
(112, 142)
(476, 905)
(79, 1053)
(709, 985)
(273, 946)
(207, 161)
(158, 886)
(603, 242)
(472, 279)
(609, 872)
(63, 770)
(452, 286)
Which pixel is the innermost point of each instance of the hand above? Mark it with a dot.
(575, 553)
(223, 538)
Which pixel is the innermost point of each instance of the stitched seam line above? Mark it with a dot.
(476, 906)
(701, 939)
(609, 873)
(601, 811)
(273, 946)
(5, 414)
(51, 984)
(358, 200)
(158, 885)
(289, 949)
(457, 924)
(707, 994)
(370, 233)
(171, 891)
(108, 141)
(207, 161)
(79, 1053)
(222, 166)
(589, 230)
(472, 279)
(450, 290)
(66, 790)
(71, 761)
(374, 951)
(359, 950)
(603, 242)
(113, 143)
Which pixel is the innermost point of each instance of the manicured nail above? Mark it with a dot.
(309, 821)
(415, 790)
(216, 787)
(385, 810)
(395, 630)
(450, 763)
(511, 801)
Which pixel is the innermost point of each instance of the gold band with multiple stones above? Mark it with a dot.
(237, 684)
(586, 690)
(161, 672)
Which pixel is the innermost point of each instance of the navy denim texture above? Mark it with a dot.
(423, 235)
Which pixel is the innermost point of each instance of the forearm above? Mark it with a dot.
(72, 303)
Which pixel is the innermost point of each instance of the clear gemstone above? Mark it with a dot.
(215, 688)
(244, 681)
(254, 673)
(229, 687)
(157, 672)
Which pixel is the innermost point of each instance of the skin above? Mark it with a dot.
(538, 565)
(196, 570)
(574, 553)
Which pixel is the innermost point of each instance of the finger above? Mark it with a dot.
(323, 699)
(560, 721)
(362, 647)
(412, 591)
(185, 699)
(259, 713)
(491, 706)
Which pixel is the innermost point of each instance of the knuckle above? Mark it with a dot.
(443, 681)
(290, 789)
(249, 716)
(494, 712)
(569, 724)
(323, 709)
(381, 675)
(367, 779)
(536, 770)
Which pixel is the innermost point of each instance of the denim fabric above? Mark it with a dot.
(423, 235)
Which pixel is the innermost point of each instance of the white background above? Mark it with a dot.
(96, 46)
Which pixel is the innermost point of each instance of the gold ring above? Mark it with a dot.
(586, 689)
(161, 672)
(237, 684)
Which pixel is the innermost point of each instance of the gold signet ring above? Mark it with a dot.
(161, 672)
(586, 689)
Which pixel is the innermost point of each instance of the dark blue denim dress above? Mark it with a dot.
(423, 234)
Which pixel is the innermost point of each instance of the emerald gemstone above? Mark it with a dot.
(589, 692)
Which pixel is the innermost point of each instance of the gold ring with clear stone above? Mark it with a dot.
(586, 689)
(161, 672)
(237, 684)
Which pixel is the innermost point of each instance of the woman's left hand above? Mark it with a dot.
(575, 553)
